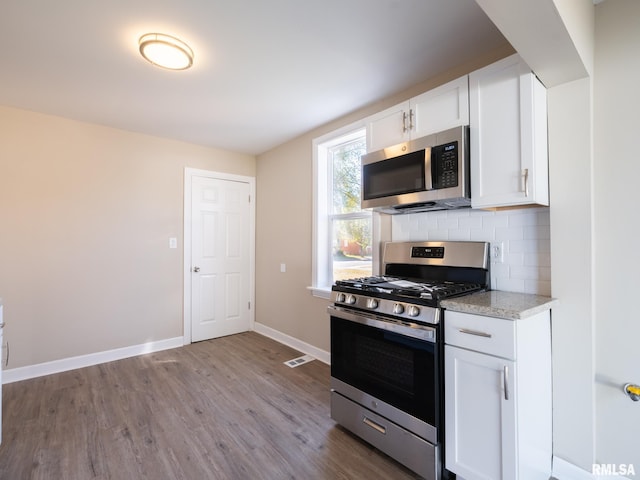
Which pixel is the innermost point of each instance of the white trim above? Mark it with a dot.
(189, 173)
(71, 363)
(320, 292)
(315, 352)
(321, 265)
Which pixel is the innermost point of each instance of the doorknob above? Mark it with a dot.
(196, 269)
(632, 391)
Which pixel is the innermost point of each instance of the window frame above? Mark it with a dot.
(322, 268)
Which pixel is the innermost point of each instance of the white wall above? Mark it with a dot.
(570, 170)
(617, 229)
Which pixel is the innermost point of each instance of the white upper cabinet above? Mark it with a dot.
(508, 136)
(444, 107)
(388, 127)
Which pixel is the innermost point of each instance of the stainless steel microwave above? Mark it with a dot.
(428, 173)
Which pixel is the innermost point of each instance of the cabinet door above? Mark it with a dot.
(444, 107)
(508, 136)
(480, 423)
(389, 127)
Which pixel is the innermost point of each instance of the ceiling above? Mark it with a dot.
(264, 71)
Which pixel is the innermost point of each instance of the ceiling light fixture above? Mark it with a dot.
(166, 51)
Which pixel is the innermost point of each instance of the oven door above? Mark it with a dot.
(380, 362)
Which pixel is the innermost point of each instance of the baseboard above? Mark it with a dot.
(293, 342)
(65, 364)
(563, 470)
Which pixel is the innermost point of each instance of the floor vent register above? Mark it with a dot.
(296, 362)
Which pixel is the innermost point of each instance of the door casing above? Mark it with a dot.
(189, 173)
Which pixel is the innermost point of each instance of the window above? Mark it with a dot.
(343, 232)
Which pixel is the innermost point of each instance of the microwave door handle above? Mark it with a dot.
(428, 178)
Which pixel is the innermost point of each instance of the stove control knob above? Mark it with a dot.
(413, 311)
(372, 303)
(351, 299)
(398, 308)
(341, 297)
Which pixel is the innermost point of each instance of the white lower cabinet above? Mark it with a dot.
(498, 397)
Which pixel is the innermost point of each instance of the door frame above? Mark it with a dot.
(189, 174)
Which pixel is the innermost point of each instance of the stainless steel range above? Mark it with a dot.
(387, 348)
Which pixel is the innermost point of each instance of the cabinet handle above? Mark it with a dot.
(526, 182)
(411, 119)
(506, 382)
(376, 426)
(404, 122)
(474, 332)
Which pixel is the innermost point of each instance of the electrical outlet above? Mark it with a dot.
(497, 252)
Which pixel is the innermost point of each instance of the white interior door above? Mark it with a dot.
(220, 257)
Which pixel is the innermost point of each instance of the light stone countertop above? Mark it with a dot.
(494, 303)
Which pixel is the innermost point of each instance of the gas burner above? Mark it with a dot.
(373, 280)
(409, 287)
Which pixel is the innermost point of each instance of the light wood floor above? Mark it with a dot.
(220, 409)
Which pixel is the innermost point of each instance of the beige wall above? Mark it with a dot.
(86, 213)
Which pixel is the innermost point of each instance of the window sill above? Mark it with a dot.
(320, 292)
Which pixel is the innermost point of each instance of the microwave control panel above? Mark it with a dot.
(444, 165)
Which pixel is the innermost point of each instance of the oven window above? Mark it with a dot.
(398, 370)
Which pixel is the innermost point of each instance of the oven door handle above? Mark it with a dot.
(413, 330)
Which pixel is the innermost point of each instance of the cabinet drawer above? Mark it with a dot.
(495, 336)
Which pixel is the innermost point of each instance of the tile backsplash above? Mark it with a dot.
(522, 234)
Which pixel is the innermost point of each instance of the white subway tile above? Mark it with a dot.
(495, 221)
(525, 273)
(470, 221)
(480, 235)
(510, 285)
(536, 232)
(544, 273)
(509, 233)
(439, 234)
(448, 222)
(539, 287)
(524, 234)
(537, 259)
(514, 258)
(460, 234)
(519, 219)
(530, 246)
